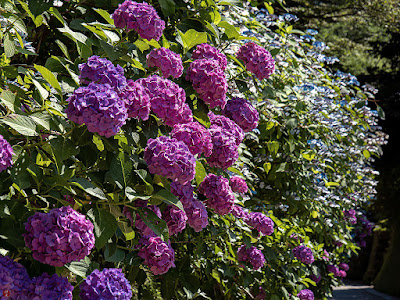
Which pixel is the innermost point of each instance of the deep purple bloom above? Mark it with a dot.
(303, 254)
(315, 278)
(136, 99)
(306, 295)
(333, 269)
(350, 215)
(184, 192)
(107, 284)
(341, 274)
(239, 212)
(225, 151)
(6, 153)
(257, 60)
(242, 112)
(59, 237)
(46, 287)
(175, 218)
(260, 222)
(252, 255)
(206, 51)
(238, 184)
(13, 278)
(167, 61)
(229, 126)
(343, 266)
(197, 215)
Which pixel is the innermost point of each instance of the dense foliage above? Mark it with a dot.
(242, 177)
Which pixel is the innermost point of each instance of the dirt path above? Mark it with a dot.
(354, 291)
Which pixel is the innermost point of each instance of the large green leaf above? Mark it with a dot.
(167, 7)
(88, 187)
(156, 224)
(192, 38)
(200, 172)
(105, 225)
(120, 170)
(50, 78)
(168, 198)
(23, 124)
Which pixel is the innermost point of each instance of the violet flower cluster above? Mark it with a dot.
(106, 284)
(303, 254)
(157, 254)
(260, 222)
(225, 151)
(136, 99)
(343, 266)
(170, 158)
(306, 294)
(46, 287)
(167, 61)
(242, 112)
(257, 60)
(206, 51)
(238, 184)
(229, 126)
(139, 224)
(252, 255)
(350, 215)
(99, 107)
(195, 136)
(59, 237)
(6, 153)
(141, 17)
(13, 277)
(315, 278)
(333, 269)
(175, 218)
(209, 81)
(218, 193)
(239, 212)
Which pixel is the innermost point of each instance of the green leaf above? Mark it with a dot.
(156, 224)
(381, 113)
(105, 225)
(114, 256)
(327, 184)
(267, 167)
(273, 147)
(80, 268)
(23, 124)
(9, 100)
(200, 172)
(54, 11)
(366, 154)
(50, 78)
(88, 187)
(291, 123)
(230, 31)
(168, 198)
(61, 149)
(192, 38)
(9, 46)
(98, 142)
(42, 119)
(132, 195)
(120, 170)
(105, 14)
(167, 7)
(42, 91)
(309, 155)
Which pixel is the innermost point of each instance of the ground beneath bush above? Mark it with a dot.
(355, 291)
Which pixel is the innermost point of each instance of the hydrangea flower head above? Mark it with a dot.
(175, 218)
(239, 212)
(304, 254)
(6, 153)
(13, 277)
(206, 51)
(141, 17)
(257, 60)
(333, 269)
(106, 284)
(184, 192)
(197, 215)
(101, 70)
(99, 107)
(136, 99)
(218, 192)
(195, 136)
(252, 255)
(157, 254)
(238, 184)
(139, 224)
(209, 81)
(225, 150)
(260, 222)
(170, 158)
(167, 61)
(306, 295)
(342, 274)
(229, 126)
(343, 266)
(315, 278)
(242, 112)
(48, 287)
(59, 237)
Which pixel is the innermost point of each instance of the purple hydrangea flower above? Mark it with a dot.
(350, 215)
(260, 222)
(333, 269)
(106, 284)
(344, 266)
(315, 278)
(13, 278)
(239, 212)
(229, 126)
(218, 192)
(209, 81)
(167, 61)
(195, 136)
(167, 100)
(325, 256)
(139, 224)
(101, 70)
(197, 215)
(6, 153)
(342, 274)
(141, 17)
(262, 295)
(136, 99)
(257, 60)
(206, 51)
(59, 237)
(157, 254)
(46, 287)
(304, 254)
(238, 184)
(225, 151)
(99, 107)
(184, 192)
(306, 295)
(252, 255)
(242, 112)
(175, 218)
(170, 158)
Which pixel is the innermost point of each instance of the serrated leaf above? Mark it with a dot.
(156, 224)
(80, 268)
(9, 46)
(88, 187)
(9, 100)
(192, 38)
(167, 197)
(50, 78)
(104, 224)
(200, 172)
(23, 124)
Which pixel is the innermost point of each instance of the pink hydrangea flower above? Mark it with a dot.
(304, 254)
(238, 184)
(197, 215)
(257, 60)
(242, 112)
(176, 219)
(239, 212)
(252, 255)
(344, 266)
(306, 295)
(260, 222)
(225, 151)
(229, 126)
(136, 99)
(167, 61)
(6, 153)
(206, 51)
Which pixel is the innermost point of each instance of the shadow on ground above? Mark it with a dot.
(353, 291)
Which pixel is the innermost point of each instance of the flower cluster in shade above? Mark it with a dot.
(306, 294)
(13, 277)
(238, 184)
(350, 215)
(363, 229)
(6, 153)
(209, 81)
(257, 60)
(343, 266)
(195, 136)
(195, 210)
(242, 112)
(315, 278)
(139, 224)
(175, 218)
(260, 222)
(46, 287)
(336, 271)
(206, 51)
(170, 158)
(167, 100)
(141, 17)
(303, 254)
(106, 284)
(167, 61)
(136, 99)
(157, 254)
(99, 107)
(59, 237)
(252, 255)
(218, 193)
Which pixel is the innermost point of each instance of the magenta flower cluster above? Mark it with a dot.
(343, 266)
(167, 100)
(209, 81)
(6, 153)
(141, 17)
(195, 136)
(59, 237)
(242, 112)
(139, 224)
(230, 127)
(315, 278)
(106, 284)
(136, 99)
(157, 254)
(239, 212)
(303, 254)
(252, 255)
(206, 51)
(260, 222)
(13, 277)
(175, 218)
(99, 107)
(225, 151)
(257, 60)
(170, 158)
(218, 193)
(306, 295)
(167, 61)
(350, 215)
(238, 184)
(333, 269)
(46, 287)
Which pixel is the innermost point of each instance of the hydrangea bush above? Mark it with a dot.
(177, 181)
